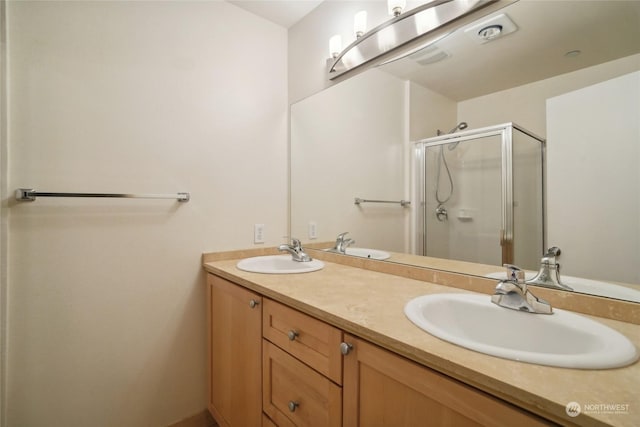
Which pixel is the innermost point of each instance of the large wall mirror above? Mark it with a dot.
(567, 71)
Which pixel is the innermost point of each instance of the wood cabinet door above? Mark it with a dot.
(383, 389)
(296, 395)
(234, 319)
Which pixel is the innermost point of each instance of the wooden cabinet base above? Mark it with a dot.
(290, 365)
(382, 389)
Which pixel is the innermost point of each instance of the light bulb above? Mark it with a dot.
(395, 7)
(360, 23)
(335, 45)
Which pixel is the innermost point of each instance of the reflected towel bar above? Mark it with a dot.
(29, 195)
(403, 203)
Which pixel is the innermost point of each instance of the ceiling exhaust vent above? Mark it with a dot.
(429, 55)
(491, 29)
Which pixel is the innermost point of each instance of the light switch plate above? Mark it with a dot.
(313, 230)
(258, 233)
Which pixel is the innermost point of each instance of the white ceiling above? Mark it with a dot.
(282, 12)
(546, 31)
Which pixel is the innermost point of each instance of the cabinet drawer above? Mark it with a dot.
(314, 342)
(294, 394)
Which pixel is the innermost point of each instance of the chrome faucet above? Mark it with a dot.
(296, 251)
(514, 294)
(549, 274)
(342, 243)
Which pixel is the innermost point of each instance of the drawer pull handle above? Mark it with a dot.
(293, 334)
(345, 348)
(293, 406)
(253, 303)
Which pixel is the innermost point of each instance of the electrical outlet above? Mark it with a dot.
(258, 233)
(313, 230)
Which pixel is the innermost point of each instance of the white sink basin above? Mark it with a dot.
(562, 339)
(368, 253)
(278, 264)
(586, 286)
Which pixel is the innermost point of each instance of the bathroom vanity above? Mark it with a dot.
(334, 348)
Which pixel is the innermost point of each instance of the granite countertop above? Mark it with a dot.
(371, 304)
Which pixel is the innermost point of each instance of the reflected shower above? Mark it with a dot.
(441, 211)
(478, 220)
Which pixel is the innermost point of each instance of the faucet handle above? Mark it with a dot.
(514, 274)
(550, 256)
(340, 237)
(554, 251)
(296, 243)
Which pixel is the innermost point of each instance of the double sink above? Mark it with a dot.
(563, 339)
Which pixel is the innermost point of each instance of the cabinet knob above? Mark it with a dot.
(293, 405)
(345, 348)
(293, 334)
(253, 303)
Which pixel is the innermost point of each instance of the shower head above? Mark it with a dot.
(459, 126)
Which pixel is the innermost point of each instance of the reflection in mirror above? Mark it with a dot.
(479, 196)
(569, 72)
(404, 28)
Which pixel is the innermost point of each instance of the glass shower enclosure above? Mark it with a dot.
(481, 196)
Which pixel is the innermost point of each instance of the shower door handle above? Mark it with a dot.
(507, 248)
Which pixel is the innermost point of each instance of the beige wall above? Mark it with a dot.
(429, 111)
(106, 319)
(526, 104)
(594, 133)
(347, 142)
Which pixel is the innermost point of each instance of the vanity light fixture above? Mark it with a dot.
(360, 23)
(402, 29)
(335, 45)
(395, 7)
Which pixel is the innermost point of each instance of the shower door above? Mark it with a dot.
(466, 184)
